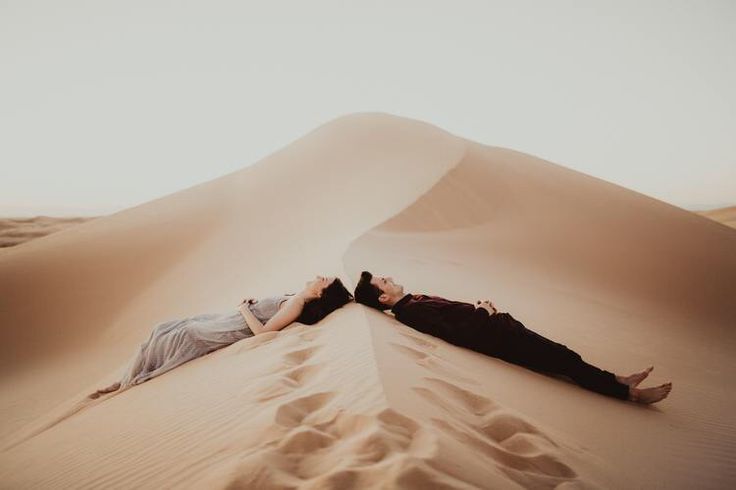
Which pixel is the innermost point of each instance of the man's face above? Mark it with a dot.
(387, 286)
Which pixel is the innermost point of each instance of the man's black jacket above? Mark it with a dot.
(456, 322)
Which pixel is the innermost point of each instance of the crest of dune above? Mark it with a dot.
(358, 400)
(726, 216)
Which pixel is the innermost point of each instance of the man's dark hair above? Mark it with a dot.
(367, 294)
(333, 297)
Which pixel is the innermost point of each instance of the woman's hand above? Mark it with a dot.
(486, 305)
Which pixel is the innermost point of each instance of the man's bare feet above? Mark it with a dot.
(633, 380)
(102, 391)
(650, 395)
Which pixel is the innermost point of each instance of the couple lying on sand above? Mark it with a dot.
(479, 327)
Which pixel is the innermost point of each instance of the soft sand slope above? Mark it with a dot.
(359, 400)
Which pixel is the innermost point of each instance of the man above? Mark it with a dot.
(482, 328)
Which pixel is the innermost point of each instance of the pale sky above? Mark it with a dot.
(106, 105)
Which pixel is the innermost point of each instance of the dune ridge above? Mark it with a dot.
(360, 401)
(14, 231)
(726, 216)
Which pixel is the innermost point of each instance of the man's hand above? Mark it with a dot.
(486, 305)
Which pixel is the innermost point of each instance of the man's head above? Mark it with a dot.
(378, 292)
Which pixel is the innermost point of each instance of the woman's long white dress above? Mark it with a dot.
(175, 342)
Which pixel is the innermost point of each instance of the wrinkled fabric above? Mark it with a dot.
(265, 308)
(175, 342)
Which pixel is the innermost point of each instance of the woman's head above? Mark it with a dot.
(325, 295)
(314, 289)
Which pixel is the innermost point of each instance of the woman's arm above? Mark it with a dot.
(289, 311)
(254, 323)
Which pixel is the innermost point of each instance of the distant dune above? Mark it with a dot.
(360, 401)
(14, 231)
(727, 216)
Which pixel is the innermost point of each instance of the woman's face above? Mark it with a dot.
(317, 285)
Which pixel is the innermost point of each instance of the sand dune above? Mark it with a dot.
(726, 216)
(360, 401)
(14, 231)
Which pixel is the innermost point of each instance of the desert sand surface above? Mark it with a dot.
(14, 231)
(359, 400)
(726, 215)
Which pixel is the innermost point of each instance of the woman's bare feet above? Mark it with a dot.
(102, 391)
(633, 380)
(650, 395)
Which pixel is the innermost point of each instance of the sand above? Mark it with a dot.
(726, 216)
(14, 231)
(358, 400)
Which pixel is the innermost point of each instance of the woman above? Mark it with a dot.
(175, 342)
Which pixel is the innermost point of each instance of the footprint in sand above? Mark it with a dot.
(302, 333)
(519, 449)
(495, 423)
(311, 333)
(462, 400)
(432, 362)
(425, 344)
(299, 356)
(292, 374)
(323, 446)
(294, 413)
(255, 341)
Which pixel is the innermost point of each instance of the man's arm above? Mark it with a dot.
(460, 313)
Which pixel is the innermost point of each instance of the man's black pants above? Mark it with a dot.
(508, 339)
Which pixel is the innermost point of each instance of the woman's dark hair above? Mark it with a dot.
(333, 297)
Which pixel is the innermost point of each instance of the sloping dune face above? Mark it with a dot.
(360, 401)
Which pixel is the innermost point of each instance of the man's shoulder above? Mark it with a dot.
(421, 300)
(426, 301)
(441, 300)
(427, 297)
(413, 304)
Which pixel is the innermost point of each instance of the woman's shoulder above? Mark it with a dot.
(276, 299)
(285, 297)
